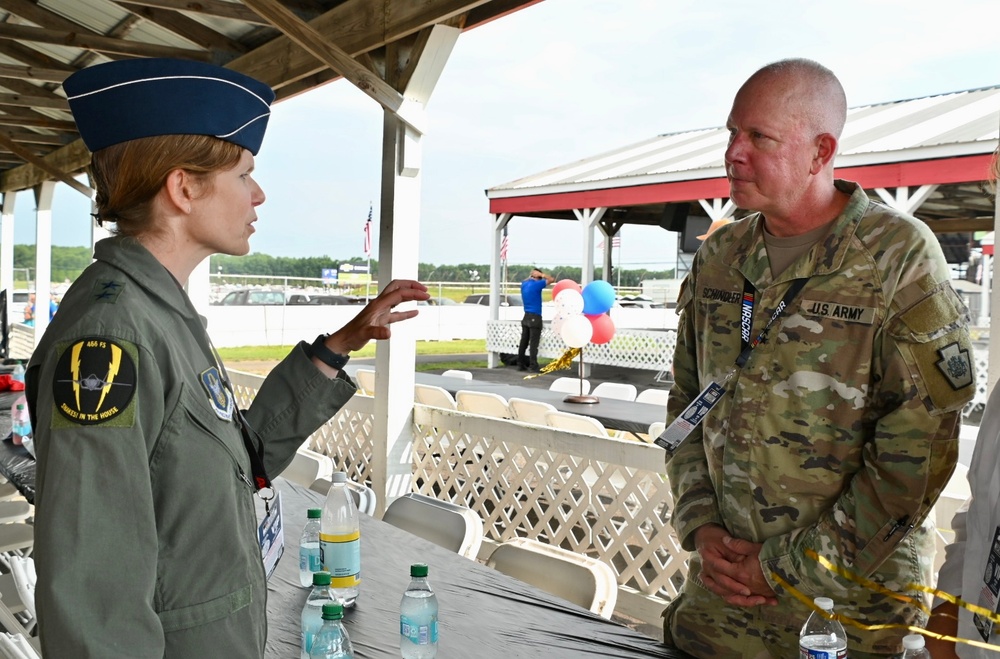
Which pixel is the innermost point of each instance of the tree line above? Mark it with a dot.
(69, 262)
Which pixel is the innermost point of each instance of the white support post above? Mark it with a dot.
(717, 209)
(43, 256)
(588, 217)
(399, 233)
(499, 222)
(7, 250)
(993, 374)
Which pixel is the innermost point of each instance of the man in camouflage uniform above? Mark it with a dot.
(839, 430)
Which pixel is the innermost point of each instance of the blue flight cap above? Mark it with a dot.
(129, 99)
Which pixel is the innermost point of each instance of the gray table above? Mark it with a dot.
(614, 414)
(484, 614)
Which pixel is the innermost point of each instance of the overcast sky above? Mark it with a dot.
(568, 79)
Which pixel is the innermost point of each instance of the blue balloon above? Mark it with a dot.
(598, 297)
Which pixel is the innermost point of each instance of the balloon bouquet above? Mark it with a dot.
(581, 318)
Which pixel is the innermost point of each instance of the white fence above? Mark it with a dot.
(606, 498)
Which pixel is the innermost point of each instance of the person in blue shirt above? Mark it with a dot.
(531, 324)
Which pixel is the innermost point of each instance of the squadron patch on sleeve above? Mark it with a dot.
(94, 383)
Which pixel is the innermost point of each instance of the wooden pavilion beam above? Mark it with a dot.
(45, 165)
(187, 28)
(97, 43)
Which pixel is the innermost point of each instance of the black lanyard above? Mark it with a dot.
(746, 317)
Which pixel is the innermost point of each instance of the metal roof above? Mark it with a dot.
(43, 41)
(944, 128)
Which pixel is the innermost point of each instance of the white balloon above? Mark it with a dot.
(576, 331)
(558, 321)
(570, 302)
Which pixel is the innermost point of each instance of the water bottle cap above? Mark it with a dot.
(418, 570)
(20, 406)
(321, 578)
(314, 513)
(913, 642)
(339, 477)
(824, 603)
(333, 611)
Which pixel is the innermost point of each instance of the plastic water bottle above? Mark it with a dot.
(913, 647)
(21, 421)
(822, 637)
(309, 548)
(18, 374)
(312, 612)
(331, 641)
(418, 617)
(340, 541)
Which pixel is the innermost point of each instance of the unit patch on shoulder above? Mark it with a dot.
(108, 290)
(955, 365)
(94, 383)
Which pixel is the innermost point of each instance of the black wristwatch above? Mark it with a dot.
(332, 359)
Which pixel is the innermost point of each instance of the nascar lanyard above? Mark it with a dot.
(746, 317)
(685, 423)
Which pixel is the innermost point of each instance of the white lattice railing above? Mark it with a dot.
(651, 350)
(605, 498)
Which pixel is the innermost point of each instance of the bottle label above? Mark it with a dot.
(810, 653)
(418, 634)
(341, 557)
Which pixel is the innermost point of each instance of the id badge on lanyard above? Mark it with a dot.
(682, 427)
(271, 535)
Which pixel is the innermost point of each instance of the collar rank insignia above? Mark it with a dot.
(218, 394)
(955, 365)
(108, 290)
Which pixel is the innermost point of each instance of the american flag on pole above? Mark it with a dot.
(615, 242)
(368, 232)
(504, 243)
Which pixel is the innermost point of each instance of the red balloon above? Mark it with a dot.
(604, 328)
(562, 285)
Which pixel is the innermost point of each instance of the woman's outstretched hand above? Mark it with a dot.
(373, 321)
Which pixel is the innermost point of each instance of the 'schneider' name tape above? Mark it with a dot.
(871, 585)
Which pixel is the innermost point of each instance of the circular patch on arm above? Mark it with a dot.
(94, 382)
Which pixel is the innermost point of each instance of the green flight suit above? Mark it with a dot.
(145, 530)
(837, 435)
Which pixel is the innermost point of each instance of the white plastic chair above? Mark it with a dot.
(456, 528)
(655, 430)
(576, 423)
(428, 394)
(364, 496)
(616, 390)
(653, 396)
(307, 466)
(454, 373)
(570, 385)
(365, 377)
(482, 403)
(24, 577)
(530, 411)
(580, 579)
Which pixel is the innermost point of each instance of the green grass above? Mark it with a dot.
(276, 353)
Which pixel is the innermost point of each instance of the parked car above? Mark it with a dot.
(511, 300)
(438, 301)
(253, 296)
(336, 299)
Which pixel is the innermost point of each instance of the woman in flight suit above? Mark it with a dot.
(145, 531)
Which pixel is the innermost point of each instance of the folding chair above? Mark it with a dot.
(455, 373)
(365, 377)
(530, 411)
(576, 423)
(569, 385)
(427, 394)
(653, 396)
(616, 390)
(307, 466)
(456, 528)
(482, 403)
(580, 579)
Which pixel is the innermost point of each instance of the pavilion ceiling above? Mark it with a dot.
(292, 45)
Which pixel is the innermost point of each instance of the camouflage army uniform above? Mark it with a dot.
(841, 425)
